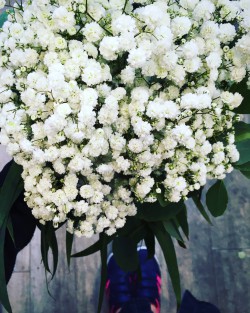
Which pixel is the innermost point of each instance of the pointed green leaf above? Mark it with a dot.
(54, 249)
(241, 88)
(168, 250)
(242, 131)
(244, 168)
(201, 208)
(150, 243)
(91, 249)
(10, 190)
(125, 253)
(69, 244)
(217, 198)
(10, 229)
(49, 241)
(182, 219)
(162, 201)
(44, 249)
(104, 243)
(244, 149)
(3, 18)
(153, 212)
(4, 299)
(172, 229)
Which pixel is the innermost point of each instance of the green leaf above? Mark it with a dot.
(69, 244)
(150, 243)
(244, 149)
(4, 299)
(241, 88)
(182, 219)
(244, 168)
(91, 249)
(172, 229)
(10, 229)
(125, 253)
(49, 241)
(10, 190)
(54, 249)
(168, 250)
(154, 212)
(3, 18)
(217, 198)
(103, 251)
(44, 249)
(162, 201)
(242, 131)
(201, 208)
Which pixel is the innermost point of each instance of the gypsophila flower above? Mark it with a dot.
(105, 105)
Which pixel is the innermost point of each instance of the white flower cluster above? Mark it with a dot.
(109, 103)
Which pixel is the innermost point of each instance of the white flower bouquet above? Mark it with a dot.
(119, 110)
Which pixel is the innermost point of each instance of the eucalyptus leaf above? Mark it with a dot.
(217, 198)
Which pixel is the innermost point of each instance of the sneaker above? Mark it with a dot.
(124, 288)
(118, 285)
(149, 286)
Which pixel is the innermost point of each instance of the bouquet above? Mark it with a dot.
(117, 111)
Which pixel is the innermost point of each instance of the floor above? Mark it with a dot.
(215, 267)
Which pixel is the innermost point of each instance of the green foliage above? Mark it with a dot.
(153, 212)
(125, 253)
(172, 228)
(244, 169)
(11, 189)
(168, 250)
(182, 219)
(3, 18)
(217, 198)
(201, 208)
(69, 244)
(95, 247)
(150, 243)
(49, 242)
(104, 254)
(244, 150)
(242, 131)
(244, 108)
